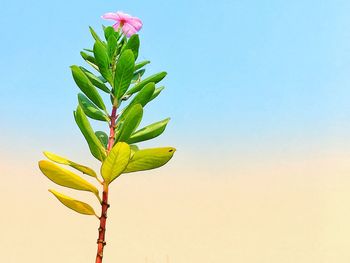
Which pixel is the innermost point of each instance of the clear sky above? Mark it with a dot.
(236, 68)
(257, 90)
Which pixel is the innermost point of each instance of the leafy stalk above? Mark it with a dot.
(120, 77)
(104, 205)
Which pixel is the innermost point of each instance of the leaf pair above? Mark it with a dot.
(69, 179)
(123, 159)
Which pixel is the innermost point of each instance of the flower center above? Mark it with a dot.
(122, 22)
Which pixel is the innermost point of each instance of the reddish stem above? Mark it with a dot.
(102, 229)
(111, 129)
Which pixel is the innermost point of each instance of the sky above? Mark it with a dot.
(258, 95)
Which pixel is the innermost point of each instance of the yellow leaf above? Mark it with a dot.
(61, 160)
(65, 177)
(77, 206)
(115, 162)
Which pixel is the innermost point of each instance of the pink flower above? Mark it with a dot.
(130, 25)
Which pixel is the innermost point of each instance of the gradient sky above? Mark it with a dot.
(258, 93)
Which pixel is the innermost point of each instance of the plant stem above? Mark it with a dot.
(111, 129)
(102, 229)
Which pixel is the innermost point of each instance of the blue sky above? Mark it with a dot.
(239, 71)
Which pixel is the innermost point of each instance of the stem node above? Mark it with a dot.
(101, 241)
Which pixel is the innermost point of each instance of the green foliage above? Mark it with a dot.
(129, 123)
(117, 74)
(148, 159)
(112, 45)
(137, 75)
(156, 92)
(94, 34)
(148, 132)
(103, 137)
(108, 31)
(96, 81)
(102, 60)
(144, 96)
(89, 59)
(141, 64)
(133, 44)
(90, 109)
(154, 78)
(86, 86)
(124, 73)
(95, 146)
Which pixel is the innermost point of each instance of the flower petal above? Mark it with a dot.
(116, 26)
(129, 30)
(123, 16)
(111, 16)
(136, 23)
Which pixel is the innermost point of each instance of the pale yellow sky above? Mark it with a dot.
(264, 209)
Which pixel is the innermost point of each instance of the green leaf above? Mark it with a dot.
(116, 162)
(144, 96)
(102, 79)
(149, 159)
(90, 109)
(121, 44)
(141, 64)
(133, 44)
(88, 50)
(124, 73)
(133, 148)
(102, 61)
(109, 31)
(129, 123)
(65, 177)
(112, 46)
(94, 34)
(86, 86)
(149, 132)
(95, 146)
(137, 75)
(156, 93)
(62, 160)
(154, 78)
(89, 59)
(96, 81)
(76, 205)
(103, 137)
